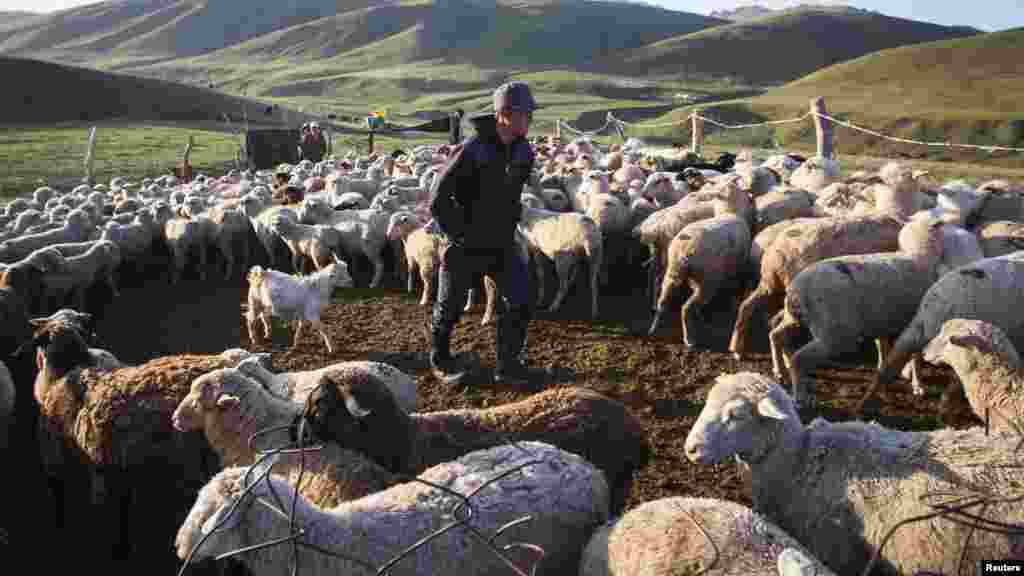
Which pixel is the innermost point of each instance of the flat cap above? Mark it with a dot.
(514, 95)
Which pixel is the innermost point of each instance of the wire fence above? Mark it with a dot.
(463, 512)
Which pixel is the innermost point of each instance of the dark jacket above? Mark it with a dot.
(475, 199)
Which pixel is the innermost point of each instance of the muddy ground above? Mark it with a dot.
(661, 381)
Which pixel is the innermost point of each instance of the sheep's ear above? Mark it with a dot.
(228, 401)
(354, 408)
(769, 408)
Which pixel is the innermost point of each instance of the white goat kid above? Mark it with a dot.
(290, 297)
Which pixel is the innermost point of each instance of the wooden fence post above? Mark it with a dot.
(558, 129)
(822, 127)
(89, 157)
(370, 139)
(697, 136)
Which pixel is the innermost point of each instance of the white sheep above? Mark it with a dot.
(293, 298)
(76, 229)
(815, 173)
(566, 239)
(76, 274)
(704, 255)
(988, 367)
(1000, 237)
(678, 535)
(564, 496)
(318, 243)
(847, 299)
(298, 385)
(801, 245)
(977, 291)
(838, 488)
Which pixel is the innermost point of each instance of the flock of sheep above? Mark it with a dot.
(928, 271)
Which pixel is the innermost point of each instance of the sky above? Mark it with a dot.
(987, 15)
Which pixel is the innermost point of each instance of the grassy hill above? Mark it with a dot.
(59, 93)
(965, 90)
(781, 47)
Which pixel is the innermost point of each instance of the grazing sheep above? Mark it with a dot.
(566, 239)
(800, 246)
(847, 299)
(977, 291)
(293, 298)
(680, 535)
(358, 414)
(564, 496)
(704, 255)
(297, 386)
(838, 488)
(988, 367)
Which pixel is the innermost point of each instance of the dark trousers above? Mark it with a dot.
(459, 271)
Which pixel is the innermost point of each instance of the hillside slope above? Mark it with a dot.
(782, 47)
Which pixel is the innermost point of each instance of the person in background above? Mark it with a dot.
(475, 203)
(455, 126)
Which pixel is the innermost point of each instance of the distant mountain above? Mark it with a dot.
(743, 13)
(782, 47)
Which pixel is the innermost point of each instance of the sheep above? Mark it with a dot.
(815, 173)
(293, 298)
(988, 367)
(76, 229)
(232, 230)
(78, 273)
(800, 246)
(421, 248)
(298, 385)
(977, 291)
(782, 203)
(355, 412)
(318, 243)
(1002, 202)
(703, 256)
(846, 299)
(764, 238)
(564, 496)
(362, 231)
(1000, 237)
(184, 235)
(109, 431)
(565, 238)
(838, 488)
(676, 535)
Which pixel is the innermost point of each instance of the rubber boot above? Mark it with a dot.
(442, 365)
(510, 339)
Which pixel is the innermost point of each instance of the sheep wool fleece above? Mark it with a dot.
(475, 201)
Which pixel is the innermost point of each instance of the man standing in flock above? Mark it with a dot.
(475, 203)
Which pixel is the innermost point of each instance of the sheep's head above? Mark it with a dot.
(60, 347)
(214, 393)
(400, 224)
(357, 411)
(959, 334)
(739, 417)
(922, 236)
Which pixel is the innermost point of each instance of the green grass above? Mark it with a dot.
(32, 157)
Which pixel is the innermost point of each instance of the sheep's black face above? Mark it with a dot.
(63, 348)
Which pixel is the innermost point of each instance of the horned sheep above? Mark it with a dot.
(838, 488)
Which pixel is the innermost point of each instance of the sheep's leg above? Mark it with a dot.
(320, 328)
(491, 290)
(802, 364)
(778, 338)
(266, 324)
(470, 299)
(250, 324)
(298, 332)
(563, 267)
(179, 264)
(378, 269)
(428, 279)
(595, 288)
(539, 263)
(202, 261)
(884, 346)
(739, 342)
(410, 278)
(228, 254)
(699, 297)
(298, 263)
(912, 371)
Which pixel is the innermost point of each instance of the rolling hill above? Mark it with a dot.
(781, 47)
(59, 93)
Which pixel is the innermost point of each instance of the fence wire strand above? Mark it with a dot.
(265, 462)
